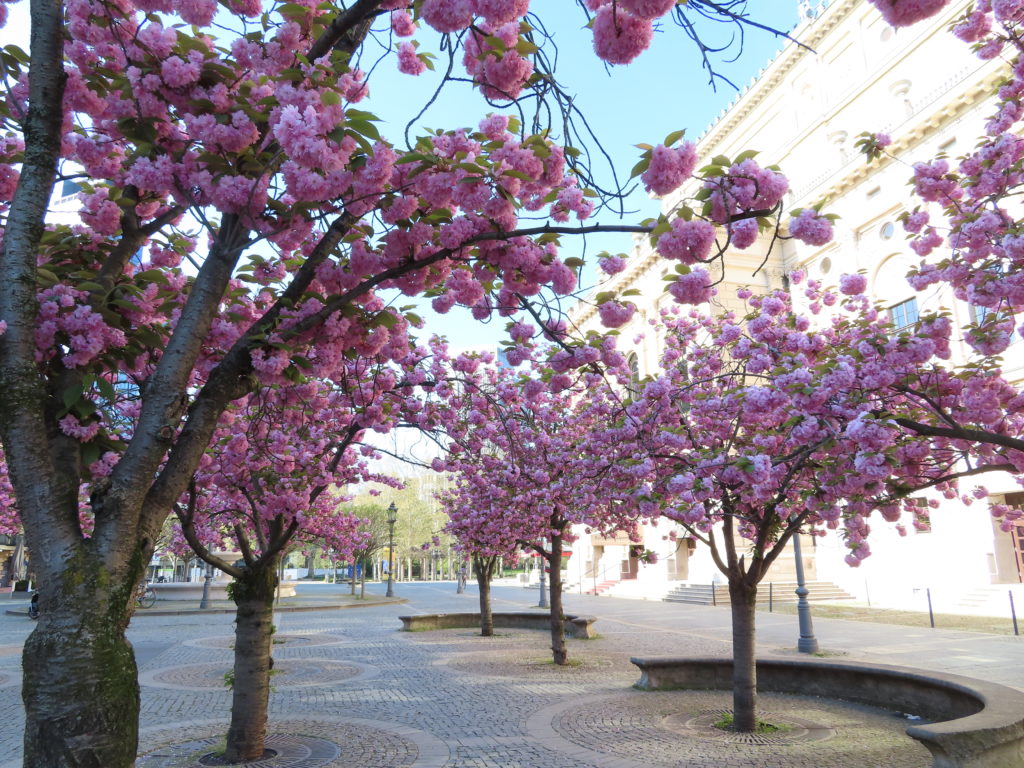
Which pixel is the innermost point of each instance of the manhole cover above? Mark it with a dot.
(792, 730)
(283, 750)
(287, 673)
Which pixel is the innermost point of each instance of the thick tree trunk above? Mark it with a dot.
(744, 669)
(80, 686)
(254, 632)
(559, 652)
(484, 570)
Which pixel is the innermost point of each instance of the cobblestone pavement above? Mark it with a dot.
(354, 691)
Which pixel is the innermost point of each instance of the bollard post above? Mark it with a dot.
(713, 600)
(931, 614)
(771, 596)
(1013, 613)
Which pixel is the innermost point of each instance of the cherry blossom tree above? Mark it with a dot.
(264, 486)
(767, 425)
(525, 448)
(477, 517)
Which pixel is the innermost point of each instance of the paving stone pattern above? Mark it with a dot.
(286, 674)
(452, 699)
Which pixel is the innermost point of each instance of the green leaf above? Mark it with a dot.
(524, 47)
(71, 395)
(411, 157)
(361, 114)
(91, 452)
(640, 167)
(363, 127)
(330, 98)
(46, 277)
(675, 136)
(517, 174)
(105, 388)
(386, 319)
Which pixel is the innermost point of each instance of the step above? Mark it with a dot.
(780, 592)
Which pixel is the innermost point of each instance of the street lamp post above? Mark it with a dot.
(392, 519)
(807, 643)
(543, 601)
(460, 587)
(204, 603)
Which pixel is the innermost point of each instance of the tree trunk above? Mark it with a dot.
(744, 668)
(484, 570)
(353, 578)
(559, 653)
(80, 686)
(362, 583)
(254, 633)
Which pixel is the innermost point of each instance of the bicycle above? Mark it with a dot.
(145, 595)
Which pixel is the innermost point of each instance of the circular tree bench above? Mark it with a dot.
(980, 724)
(575, 626)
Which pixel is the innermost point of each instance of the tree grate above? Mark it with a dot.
(795, 730)
(283, 750)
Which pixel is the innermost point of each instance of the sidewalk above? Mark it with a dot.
(353, 691)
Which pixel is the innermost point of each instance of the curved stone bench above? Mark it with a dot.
(981, 723)
(575, 626)
(193, 590)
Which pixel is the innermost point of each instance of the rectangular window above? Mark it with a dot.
(922, 518)
(981, 315)
(904, 314)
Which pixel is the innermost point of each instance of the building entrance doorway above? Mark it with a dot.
(631, 566)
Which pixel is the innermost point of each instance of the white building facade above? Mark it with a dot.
(932, 95)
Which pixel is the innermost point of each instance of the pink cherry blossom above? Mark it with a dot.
(903, 13)
(619, 36)
(811, 228)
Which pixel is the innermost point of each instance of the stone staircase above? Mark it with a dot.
(989, 600)
(601, 587)
(780, 592)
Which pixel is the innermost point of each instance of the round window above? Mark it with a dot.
(825, 265)
(888, 230)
